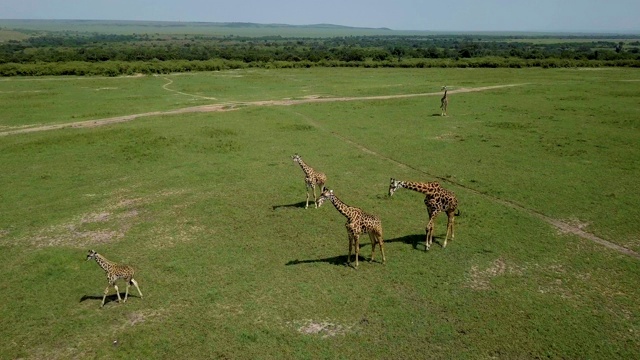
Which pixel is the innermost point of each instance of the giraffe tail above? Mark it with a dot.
(458, 212)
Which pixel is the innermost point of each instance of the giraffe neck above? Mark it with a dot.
(344, 209)
(424, 188)
(445, 94)
(306, 168)
(105, 264)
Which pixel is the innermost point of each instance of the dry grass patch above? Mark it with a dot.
(481, 279)
(573, 222)
(324, 329)
(109, 224)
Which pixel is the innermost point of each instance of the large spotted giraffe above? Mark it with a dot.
(437, 199)
(358, 222)
(312, 178)
(114, 272)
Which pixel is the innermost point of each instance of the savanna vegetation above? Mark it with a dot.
(65, 52)
(208, 207)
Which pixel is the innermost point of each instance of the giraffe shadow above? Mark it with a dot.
(340, 260)
(110, 298)
(300, 204)
(416, 241)
(412, 240)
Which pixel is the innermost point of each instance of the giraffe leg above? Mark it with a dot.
(117, 292)
(384, 259)
(357, 245)
(135, 283)
(429, 231)
(432, 230)
(350, 247)
(449, 228)
(373, 246)
(106, 291)
(314, 197)
(320, 187)
(453, 222)
(307, 206)
(126, 292)
(380, 241)
(426, 241)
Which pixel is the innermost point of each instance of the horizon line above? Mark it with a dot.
(384, 28)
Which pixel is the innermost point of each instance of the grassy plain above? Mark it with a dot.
(207, 207)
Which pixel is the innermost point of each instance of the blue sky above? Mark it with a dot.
(451, 15)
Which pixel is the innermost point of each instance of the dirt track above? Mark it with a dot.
(233, 106)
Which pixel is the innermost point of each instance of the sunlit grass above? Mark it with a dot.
(207, 208)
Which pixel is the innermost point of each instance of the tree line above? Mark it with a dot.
(104, 54)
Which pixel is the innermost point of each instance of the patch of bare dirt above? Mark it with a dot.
(96, 217)
(324, 329)
(88, 230)
(573, 223)
(481, 279)
(110, 223)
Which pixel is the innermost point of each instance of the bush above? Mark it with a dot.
(117, 68)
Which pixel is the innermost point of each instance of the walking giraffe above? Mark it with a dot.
(437, 199)
(444, 102)
(358, 222)
(312, 178)
(114, 272)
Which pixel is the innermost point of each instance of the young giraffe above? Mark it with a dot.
(312, 178)
(444, 102)
(358, 222)
(114, 272)
(437, 199)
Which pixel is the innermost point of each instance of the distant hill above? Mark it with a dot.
(310, 26)
(179, 27)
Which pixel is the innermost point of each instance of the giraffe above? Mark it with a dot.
(437, 199)
(114, 272)
(312, 178)
(358, 222)
(444, 102)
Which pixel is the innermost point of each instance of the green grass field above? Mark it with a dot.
(209, 209)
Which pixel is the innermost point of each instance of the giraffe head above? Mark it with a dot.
(444, 88)
(326, 194)
(92, 254)
(394, 185)
(296, 158)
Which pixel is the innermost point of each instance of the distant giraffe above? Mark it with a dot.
(444, 102)
(358, 222)
(312, 178)
(437, 199)
(114, 272)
